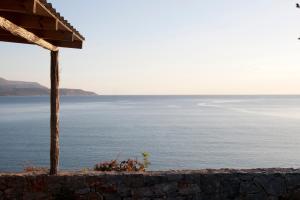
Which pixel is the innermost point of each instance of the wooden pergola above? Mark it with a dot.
(37, 22)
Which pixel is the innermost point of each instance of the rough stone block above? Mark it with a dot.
(273, 185)
(259, 184)
(249, 188)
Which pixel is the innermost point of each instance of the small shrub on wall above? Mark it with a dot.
(129, 165)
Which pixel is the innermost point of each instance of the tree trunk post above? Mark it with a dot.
(54, 118)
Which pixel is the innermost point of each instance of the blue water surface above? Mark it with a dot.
(179, 132)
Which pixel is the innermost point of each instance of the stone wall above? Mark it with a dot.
(253, 184)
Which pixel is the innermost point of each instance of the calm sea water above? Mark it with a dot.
(180, 132)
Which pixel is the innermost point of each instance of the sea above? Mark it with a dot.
(179, 132)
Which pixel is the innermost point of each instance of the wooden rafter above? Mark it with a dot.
(75, 44)
(23, 33)
(18, 6)
(53, 35)
(31, 21)
(46, 34)
(58, 43)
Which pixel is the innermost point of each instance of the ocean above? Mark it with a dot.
(179, 132)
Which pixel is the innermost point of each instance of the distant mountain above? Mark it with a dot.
(21, 88)
(76, 92)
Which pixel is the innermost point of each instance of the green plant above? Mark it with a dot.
(129, 165)
(146, 156)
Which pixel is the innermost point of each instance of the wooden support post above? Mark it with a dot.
(23, 33)
(54, 121)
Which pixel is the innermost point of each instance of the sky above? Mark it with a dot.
(171, 47)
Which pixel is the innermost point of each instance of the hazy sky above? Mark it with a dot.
(172, 47)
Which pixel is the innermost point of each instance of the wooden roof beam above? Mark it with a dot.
(23, 33)
(18, 6)
(54, 35)
(76, 44)
(11, 38)
(14, 39)
(47, 34)
(30, 21)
